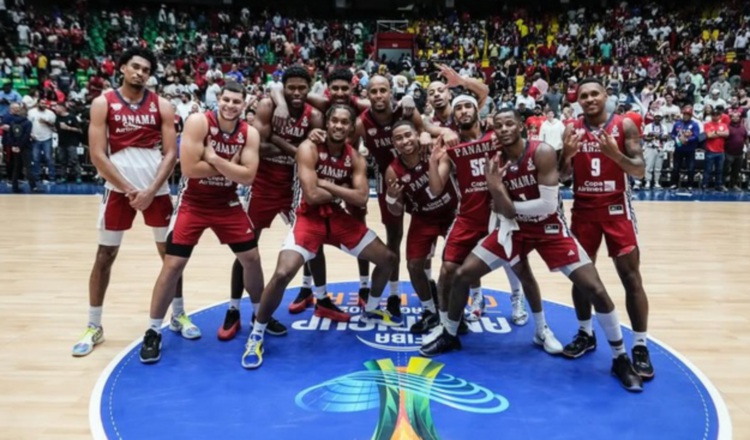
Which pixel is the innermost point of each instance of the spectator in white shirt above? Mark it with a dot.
(212, 94)
(552, 130)
(42, 128)
(715, 100)
(656, 137)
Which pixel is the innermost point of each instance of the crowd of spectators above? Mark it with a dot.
(677, 72)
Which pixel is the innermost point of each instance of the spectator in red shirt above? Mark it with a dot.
(716, 135)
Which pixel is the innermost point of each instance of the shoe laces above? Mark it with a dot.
(253, 341)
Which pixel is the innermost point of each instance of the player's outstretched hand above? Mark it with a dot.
(317, 136)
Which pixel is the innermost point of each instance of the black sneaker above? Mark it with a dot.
(151, 347)
(642, 362)
(394, 305)
(325, 308)
(442, 344)
(434, 293)
(427, 322)
(581, 344)
(303, 300)
(623, 369)
(274, 327)
(364, 293)
(231, 325)
(463, 327)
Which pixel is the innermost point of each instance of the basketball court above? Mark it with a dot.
(334, 381)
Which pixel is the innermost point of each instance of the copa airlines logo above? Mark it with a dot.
(396, 339)
(403, 396)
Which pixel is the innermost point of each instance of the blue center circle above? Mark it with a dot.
(328, 380)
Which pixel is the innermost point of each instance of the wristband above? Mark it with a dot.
(390, 200)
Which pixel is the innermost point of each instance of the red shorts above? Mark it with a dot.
(462, 238)
(116, 214)
(386, 217)
(621, 236)
(560, 252)
(310, 232)
(231, 225)
(263, 210)
(357, 212)
(422, 236)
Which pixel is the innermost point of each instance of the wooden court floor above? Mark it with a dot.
(695, 263)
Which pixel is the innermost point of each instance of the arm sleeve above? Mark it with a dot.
(546, 204)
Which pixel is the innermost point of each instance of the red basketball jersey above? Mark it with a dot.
(600, 186)
(449, 123)
(469, 159)
(216, 191)
(335, 169)
(276, 177)
(133, 125)
(378, 138)
(523, 184)
(418, 197)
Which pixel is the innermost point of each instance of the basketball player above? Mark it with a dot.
(601, 150)
(272, 192)
(329, 173)
(431, 215)
(374, 127)
(439, 97)
(218, 151)
(339, 91)
(463, 163)
(127, 126)
(523, 181)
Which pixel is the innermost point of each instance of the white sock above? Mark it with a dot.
(320, 292)
(255, 307)
(586, 326)
(429, 305)
(364, 282)
(372, 303)
(611, 326)
(234, 303)
(540, 321)
(394, 288)
(95, 316)
(428, 273)
(259, 328)
(307, 281)
(475, 291)
(640, 338)
(178, 307)
(515, 283)
(451, 326)
(155, 324)
(443, 317)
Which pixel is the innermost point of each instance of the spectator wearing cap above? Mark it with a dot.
(714, 99)
(716, 135)
(42, 128)
(655, 138)
(724, 88)
(685, 133)
(733, 149)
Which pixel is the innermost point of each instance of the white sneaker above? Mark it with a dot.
(519, 316)
(434, 334)
(91, 337)
(185, 326)
(476, 310)
(548, 340)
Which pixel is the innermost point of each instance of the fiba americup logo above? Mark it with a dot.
(395, 339)
(403, 396)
